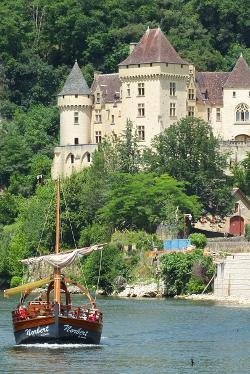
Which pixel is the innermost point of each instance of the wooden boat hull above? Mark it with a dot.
(57, 330)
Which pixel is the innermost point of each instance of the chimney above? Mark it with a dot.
(131, 47)
(96, 73)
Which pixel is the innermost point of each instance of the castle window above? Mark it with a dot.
(141, 89)
(208, 114)
(112, 119)
(141, 132)
(128, 90)
(151, 64)
(76, 96)
(98, 98)
(76, 118)
(242, 113)
(139, 65)
(191, 94)
(76, 141)
(218, 115)
(191, 111)
(88, 157)
(98, 116)
(141, 110)
(234, 94)
(72, 159)
(98, 136)
(172, 112)
(172, 88)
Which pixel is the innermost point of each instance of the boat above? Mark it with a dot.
(51, 317)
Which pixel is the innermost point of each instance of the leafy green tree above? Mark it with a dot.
(8, 208)
(138, 202)
(241, 175)
(199, 240)
(189, 151)
(186, 272)
(112, 265)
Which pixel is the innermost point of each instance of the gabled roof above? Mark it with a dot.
(75, 83)
(153, 47)
(109, 84)
(211, 86)
(240, 75)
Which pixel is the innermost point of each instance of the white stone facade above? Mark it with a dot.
(153, 88)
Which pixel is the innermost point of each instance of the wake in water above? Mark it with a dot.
(59, 346)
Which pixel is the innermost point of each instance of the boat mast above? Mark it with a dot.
(57, 271)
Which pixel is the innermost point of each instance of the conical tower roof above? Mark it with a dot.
(153, 47)
(240, 75)
(75, 83)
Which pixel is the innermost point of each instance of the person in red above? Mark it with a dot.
(22, 312)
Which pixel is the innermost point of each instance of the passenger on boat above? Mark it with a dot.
(22, 312)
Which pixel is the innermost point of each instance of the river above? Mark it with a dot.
(142, 336)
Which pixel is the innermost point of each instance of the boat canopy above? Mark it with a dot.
(62, 260)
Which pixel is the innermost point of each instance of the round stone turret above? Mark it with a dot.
(75, 103)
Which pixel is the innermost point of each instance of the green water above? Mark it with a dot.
(142, 336)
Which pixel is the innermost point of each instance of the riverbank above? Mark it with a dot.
(212, 297)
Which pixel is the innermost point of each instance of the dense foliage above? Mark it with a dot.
(186, 272)
(40, 39)
(189, 151)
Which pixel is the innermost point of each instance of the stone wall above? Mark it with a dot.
(233, 276)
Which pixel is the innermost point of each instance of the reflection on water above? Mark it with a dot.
(142, 336)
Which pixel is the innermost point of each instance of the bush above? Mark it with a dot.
(199, 240)
(186, 272)
(15, 281)
(112, 266)
(247, 232)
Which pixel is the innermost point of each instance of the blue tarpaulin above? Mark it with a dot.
(176, 244)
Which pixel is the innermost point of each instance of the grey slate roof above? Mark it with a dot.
(75, 83)
(110, 85)
(153, 47)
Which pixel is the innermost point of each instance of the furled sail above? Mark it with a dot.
(26, 287)
(64, 259)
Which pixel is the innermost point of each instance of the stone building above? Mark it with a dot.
(154, 88)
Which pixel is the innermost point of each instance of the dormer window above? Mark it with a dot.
(98, 98)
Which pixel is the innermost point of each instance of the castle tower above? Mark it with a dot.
(75, 102)
(154, 80)
(75, 106)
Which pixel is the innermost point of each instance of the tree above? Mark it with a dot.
(241, 175)
(139, 201)
(186, 272)
(189, 152)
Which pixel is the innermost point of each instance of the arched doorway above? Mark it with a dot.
(242, 138)
(236, 226)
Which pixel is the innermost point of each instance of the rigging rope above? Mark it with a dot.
(99, 273)
(67, 212)
(72, 232)
(45, 222)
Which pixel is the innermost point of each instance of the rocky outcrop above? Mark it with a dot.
(143, 290)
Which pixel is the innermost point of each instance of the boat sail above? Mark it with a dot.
(52, 319)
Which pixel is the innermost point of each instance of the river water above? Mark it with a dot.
(142, 336)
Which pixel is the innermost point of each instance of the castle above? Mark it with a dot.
(154, 88)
